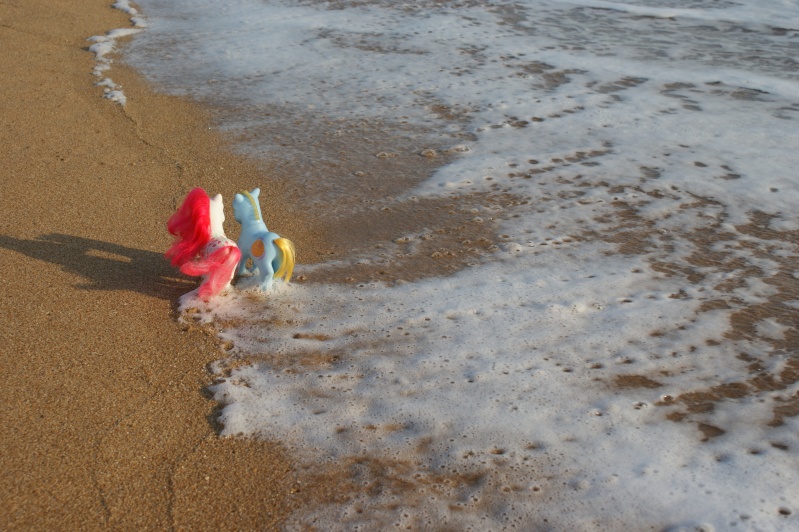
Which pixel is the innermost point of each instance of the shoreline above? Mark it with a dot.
(107, 420)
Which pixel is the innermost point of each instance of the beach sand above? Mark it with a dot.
(106, 415)
(106, 422)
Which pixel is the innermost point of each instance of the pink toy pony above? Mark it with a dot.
(201, 247)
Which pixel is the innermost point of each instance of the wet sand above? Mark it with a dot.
(105, 418)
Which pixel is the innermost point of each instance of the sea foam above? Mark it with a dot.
(622, 353)
(104, 45)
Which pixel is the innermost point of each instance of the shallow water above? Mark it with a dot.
(582, 312)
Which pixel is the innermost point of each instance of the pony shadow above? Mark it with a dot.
(104, 265)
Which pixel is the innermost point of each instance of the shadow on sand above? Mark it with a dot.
(104, 265)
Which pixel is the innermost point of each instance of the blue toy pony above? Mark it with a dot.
(271, 255)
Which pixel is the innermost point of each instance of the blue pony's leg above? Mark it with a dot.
(265, 269)
(245, 254)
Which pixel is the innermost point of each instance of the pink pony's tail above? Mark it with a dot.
(218, 267)
(191, 225)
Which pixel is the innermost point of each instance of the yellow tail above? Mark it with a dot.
(286, 246)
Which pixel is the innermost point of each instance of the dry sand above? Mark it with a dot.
(105, 421)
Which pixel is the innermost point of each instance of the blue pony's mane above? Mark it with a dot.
(256, 209)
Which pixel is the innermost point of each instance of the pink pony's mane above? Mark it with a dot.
(191, 225)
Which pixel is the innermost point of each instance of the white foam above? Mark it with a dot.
(557, 363)
(135, 17)
(105, 45)
(779, 13)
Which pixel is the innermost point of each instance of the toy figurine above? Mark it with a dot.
(201, 247)
(271, 255)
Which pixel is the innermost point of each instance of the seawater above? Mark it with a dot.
(619, 352)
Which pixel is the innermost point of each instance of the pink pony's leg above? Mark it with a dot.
(222, 267)
(218, 270)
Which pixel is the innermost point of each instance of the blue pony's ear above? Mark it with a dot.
(255, 192)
